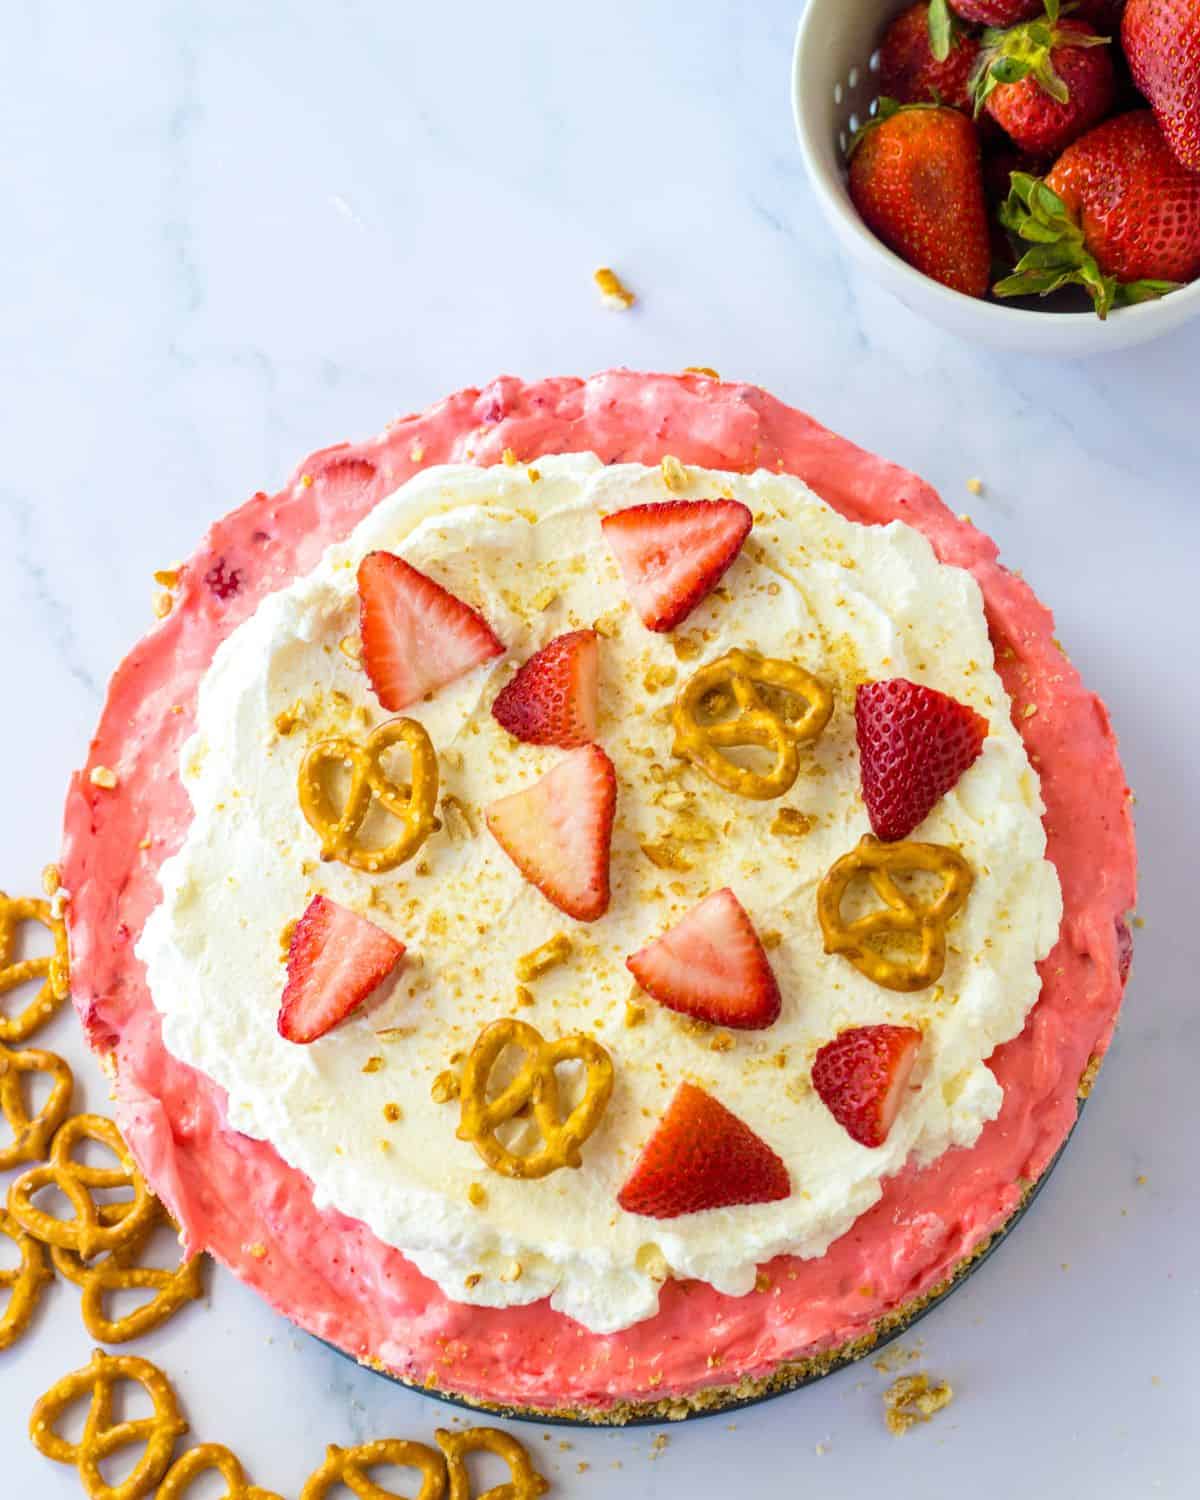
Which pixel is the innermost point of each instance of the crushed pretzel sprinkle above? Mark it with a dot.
(659, 677)
(445, 1088)
(665, 856)
(392, 1112)
(975, 486)
(372, 1064)
(103, 777)
(913, 1399)
(701, 370)
(675, 476)
(512, 1271)
(509, 458)
(476, 1195)
(635, 1014)
(612, 289)
(258, 1250)
(790, 822)
(553, 952)
(51, 879)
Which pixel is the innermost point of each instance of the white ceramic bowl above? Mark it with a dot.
(833, 84)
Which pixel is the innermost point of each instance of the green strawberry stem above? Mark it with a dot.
(1059, 255)
(941, 29)
(885, 108)
(1008, 56)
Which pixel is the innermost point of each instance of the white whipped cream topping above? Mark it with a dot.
(848, 602)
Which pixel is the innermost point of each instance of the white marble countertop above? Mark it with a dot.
(235, 232)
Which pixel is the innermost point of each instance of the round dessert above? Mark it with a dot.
(601, 900)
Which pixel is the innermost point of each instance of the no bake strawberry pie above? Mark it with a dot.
(600, 901)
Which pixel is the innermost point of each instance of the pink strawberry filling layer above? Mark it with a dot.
(236, 1198)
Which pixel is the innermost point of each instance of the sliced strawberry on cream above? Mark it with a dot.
(552, 699)
(673, 553)
(558, 832)
(862, 1078)
(702, 1156)
(914, 744)
(416, 636)
(711, 965)
(335, 960)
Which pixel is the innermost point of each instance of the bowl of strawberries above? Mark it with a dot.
(1025, 173)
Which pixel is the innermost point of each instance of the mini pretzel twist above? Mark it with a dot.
(346, 1466)
(94, 1227)
(700, 738)
(339, 829)
(119, 1271)
(524, 1482)
(899, 915)
(535, 1083)
(52, 967)
(24, 1282)
(30, 1137)
(102, 1437)
(210, 1458)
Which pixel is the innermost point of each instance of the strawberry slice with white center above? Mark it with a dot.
(335, 960)
(552, 699)
(862, 1077)
(416, 636)
(675, 552)
(702, 1156)
(558, 832)
(711, 965)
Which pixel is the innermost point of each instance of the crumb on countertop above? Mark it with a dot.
(913, 1399)
(612, 289)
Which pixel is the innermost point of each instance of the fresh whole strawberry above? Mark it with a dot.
(702, 1156)
(1117, 215)
(673, 553)
(915, 178)
(552, 699)
(910, 71)
(558, 832)
(996, 12)
(1046, 82)
(862, 1077)
(335, 959)
(913, 745)
(711, 965)
(416, 636)
(1162, 43)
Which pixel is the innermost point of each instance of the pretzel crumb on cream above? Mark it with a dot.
(554, 952)
(675, 476)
